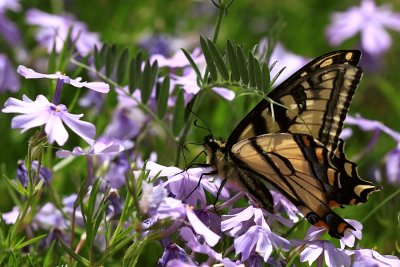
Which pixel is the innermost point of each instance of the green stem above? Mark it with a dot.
(383, 203)
(221, 11)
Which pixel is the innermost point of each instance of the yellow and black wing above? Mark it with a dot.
(298, 166)
(313, 101)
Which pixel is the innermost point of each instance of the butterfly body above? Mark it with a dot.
(292, 143)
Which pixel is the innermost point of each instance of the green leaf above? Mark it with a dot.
(244, 72)
(209, 60)
(48, 259)
(122, 67)
(194, 66)
(21, 245)
(99, 56)
(219, 62)
(266, 78)
(257, 74)
(233, 61)
(252, 74)
(148, 80)
(162, 95)
(178, 114)
(110, 59)
(77, 257)
(17, 186)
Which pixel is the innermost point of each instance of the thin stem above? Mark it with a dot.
(383, 203)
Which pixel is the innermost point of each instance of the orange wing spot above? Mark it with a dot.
(306, 141)
(331, 176)
(333, 204)
(342, 227)
(320, 155)
(353, 201)
(321, 223)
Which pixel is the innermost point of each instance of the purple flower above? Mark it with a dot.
(22, 173)
(188, 82)
(8, 78)
(8, 29)
(193, 243)
(370, 21)
(95, 86)
(371, 125)
(178, 60)
(182, 183)
(42, 112)
(283, 59)
(50, 217)
(281, 203)
(371, 258)
(252, 235)
(349, 238)
(321, 250)
(152, 196)
(54, 30)
(103, 146)
(173, 251)
(156, 44)
(11, 216)
(392, 160)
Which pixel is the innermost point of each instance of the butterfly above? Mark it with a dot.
(292, 143)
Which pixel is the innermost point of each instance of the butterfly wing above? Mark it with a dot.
(314, 101)
(298, 166)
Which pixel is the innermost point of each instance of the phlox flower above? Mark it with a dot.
(370, 21)
(42, 112)
(54, 30)
(252, 234)
(8, 78)
(284, 59)
(184, 184)
(8, 30)
(23, 176)
(174, 254)
(193, 243)
(320, 251)
(95, 86)
(371, 258)
(392, 159)
(103, 146)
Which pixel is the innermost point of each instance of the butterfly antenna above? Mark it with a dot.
(207, 128)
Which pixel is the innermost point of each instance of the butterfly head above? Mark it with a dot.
(214, 147)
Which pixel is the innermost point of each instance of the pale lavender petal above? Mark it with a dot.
(284, 59)
(375, 40)
(84, 129)
(11, 216)
(311, 253)
(95, 86)
(225, 93)
(264, 247)
(28, 121)
(32, 74)
(344, 25)
(350, 236)
(231, 221)
(209, 236)
(8, 78)
(335, 257)
(56, 131)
